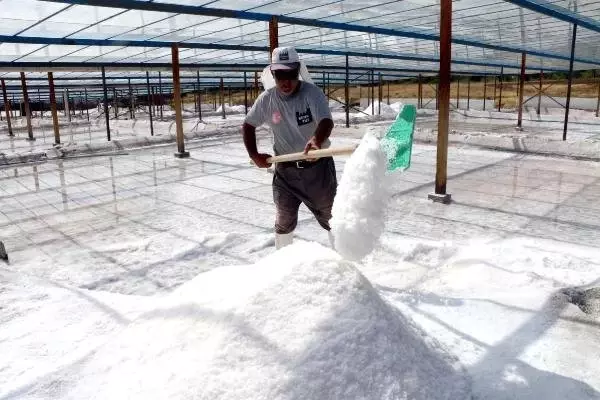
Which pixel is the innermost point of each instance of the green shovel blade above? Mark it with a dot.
(397, 142)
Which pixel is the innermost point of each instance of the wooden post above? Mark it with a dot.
(440, 194)
(53, 108)
(149, 97)
(7, 108)
(573, 40)
(521, 85)
(106, 104)
(26, 106)
(181, 153)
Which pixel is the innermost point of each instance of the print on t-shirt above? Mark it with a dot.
(304, 118)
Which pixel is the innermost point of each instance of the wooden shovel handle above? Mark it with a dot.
(335, 151)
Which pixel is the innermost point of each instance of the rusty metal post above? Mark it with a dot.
(501, 77)
(52, 95)
(199, 95)
(7, 108)
(458, 92)
(388, 92)
(440, 194)
(379, 95)
(273, 35)
(26, 106)
(181, 153)
(116, 102)
(468, 92)
(521, 86)
(256, 84)
(106, 104)
(372, 92)
(347, 92)
(539, 105)
(484, 90)
(598, 102)
(160, 95)
(149, 102)
(87, 109)
(222, 98)
(420, 93)
(245, 93)
(573, 40)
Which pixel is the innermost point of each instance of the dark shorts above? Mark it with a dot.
(315, 186)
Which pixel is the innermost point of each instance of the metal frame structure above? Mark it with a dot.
(211, 47)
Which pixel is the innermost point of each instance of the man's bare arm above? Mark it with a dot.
(249, 134)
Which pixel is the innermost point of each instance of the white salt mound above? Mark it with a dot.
(385, 109)
(300, 324)
(358, 213)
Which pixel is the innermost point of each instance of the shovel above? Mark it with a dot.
(397, 144)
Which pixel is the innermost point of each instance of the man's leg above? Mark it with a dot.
(287, 205)
(320, 190)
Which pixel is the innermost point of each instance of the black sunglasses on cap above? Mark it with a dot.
(286, 75)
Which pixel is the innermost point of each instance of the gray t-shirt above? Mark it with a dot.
(293, 118)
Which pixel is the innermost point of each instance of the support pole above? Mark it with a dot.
(458, 92)
(160, 94)
(149, 102)
(116, 103)
(87, 109)
(372, 92)
(468, 92)
(245, 93)
(420, 93)
(521, 85)
(347, 92)
(539, 105)
(501, 85)
(199, 95)
(256, 83)
(131, 99)
(388, 93)
(484, 90)
(440, 194)
(573, 40)
(26, 106)
(222, 98)
(379, 94)
(7, 108)
(181, 153)
(106, 104)
(52, 95)
(273, 35)
(598, 102)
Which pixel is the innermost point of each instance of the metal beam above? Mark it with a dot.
(107, 117)
(319, 23)
(558, 12)
(521, 88)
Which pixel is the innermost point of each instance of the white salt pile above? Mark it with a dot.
(385, 109)
(300, 324)
(362, 195)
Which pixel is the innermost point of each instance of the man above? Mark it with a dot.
(298, 114)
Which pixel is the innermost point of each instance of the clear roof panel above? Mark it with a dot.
(480, 23)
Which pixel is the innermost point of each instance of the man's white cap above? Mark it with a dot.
(284, 58)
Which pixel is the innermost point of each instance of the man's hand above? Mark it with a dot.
(260, 159)
(312, 144)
